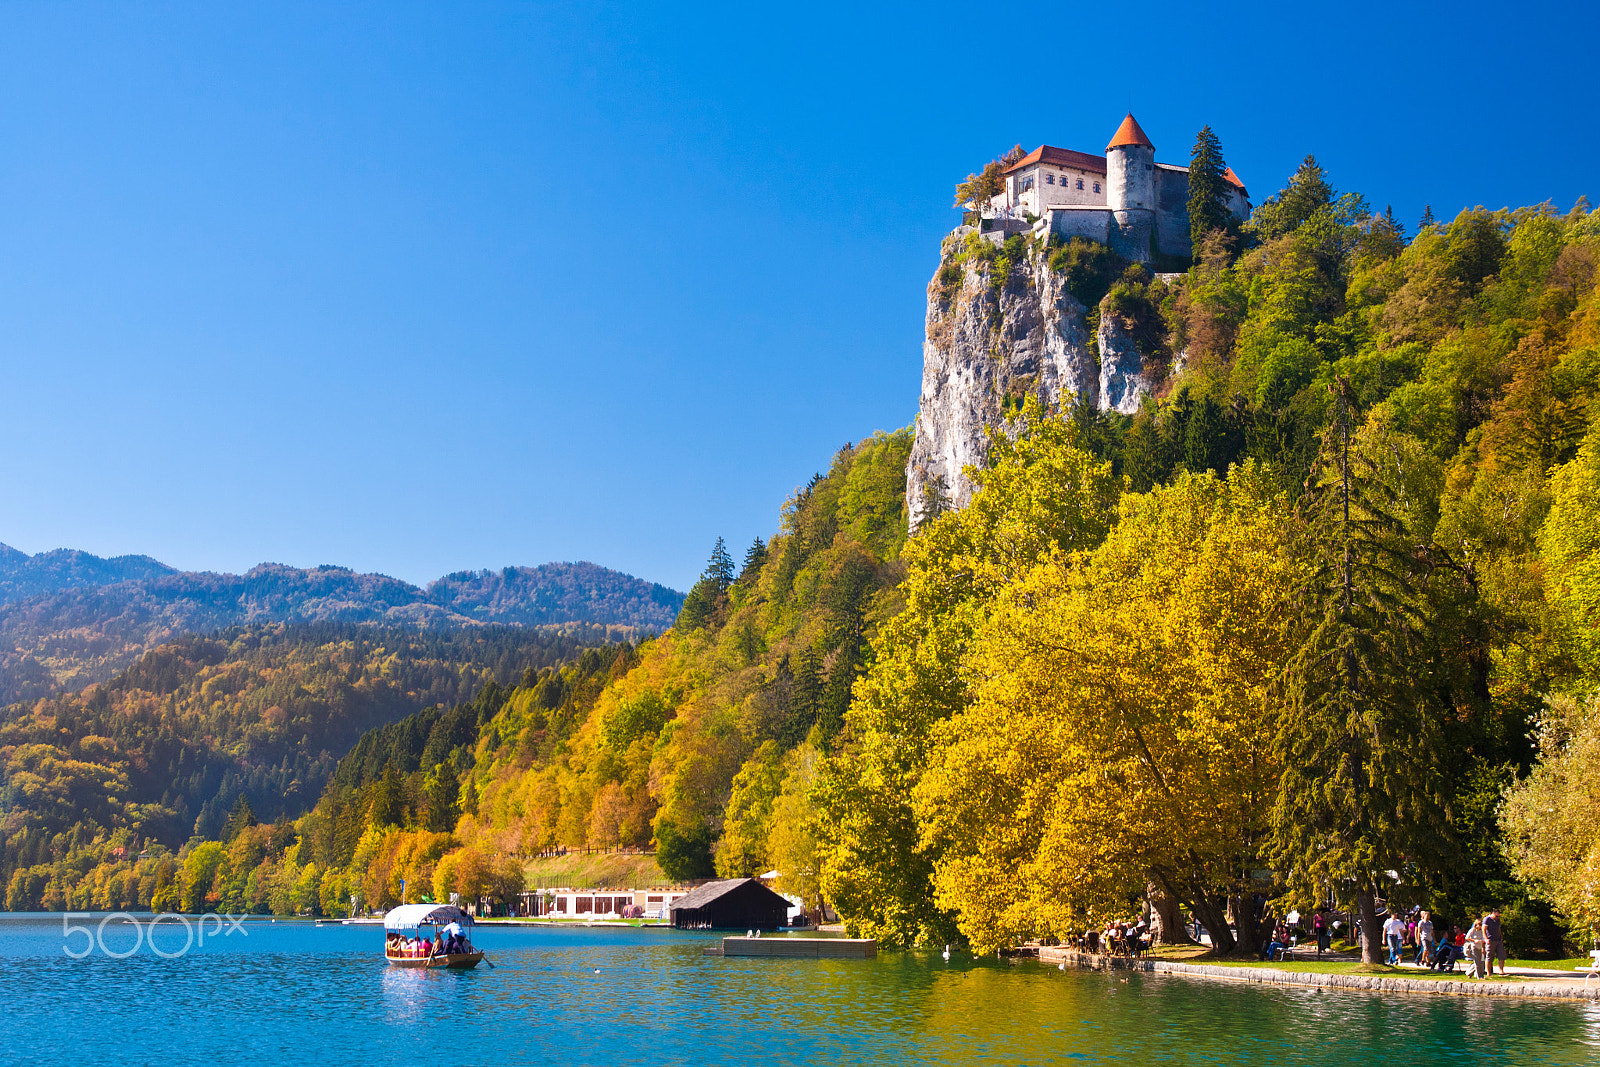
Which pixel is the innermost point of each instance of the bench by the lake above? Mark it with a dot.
(804, 947)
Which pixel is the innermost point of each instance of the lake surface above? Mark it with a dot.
(292, 992)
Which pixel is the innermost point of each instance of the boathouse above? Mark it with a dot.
(733, 904)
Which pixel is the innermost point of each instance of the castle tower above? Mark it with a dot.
(1131, 190)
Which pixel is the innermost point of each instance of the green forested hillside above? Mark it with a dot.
(167, 748)
(1102, 698)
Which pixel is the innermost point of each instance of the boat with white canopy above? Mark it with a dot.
(429, 935)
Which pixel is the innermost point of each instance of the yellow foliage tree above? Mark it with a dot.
(1120, 727)
(1042, 496)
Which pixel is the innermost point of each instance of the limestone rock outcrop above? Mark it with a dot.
(987, 347)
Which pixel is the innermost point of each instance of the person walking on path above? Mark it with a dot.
(1394, 929)
(1477, 949)
(1319, 926)
(1425, 940)
(1494, 941)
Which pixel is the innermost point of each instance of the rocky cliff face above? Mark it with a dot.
(987, 346)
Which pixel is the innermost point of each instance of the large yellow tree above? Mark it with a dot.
(1042, 495)
(1120, 731)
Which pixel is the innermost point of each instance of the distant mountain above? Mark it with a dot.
(554, 593)
(23, 576)
(70, 619)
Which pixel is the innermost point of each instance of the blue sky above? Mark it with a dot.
(421, 288)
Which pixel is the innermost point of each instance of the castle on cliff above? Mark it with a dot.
(1123, 199)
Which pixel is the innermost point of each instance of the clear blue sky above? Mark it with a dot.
(420, 288)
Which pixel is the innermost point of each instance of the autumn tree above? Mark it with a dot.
(987, 183)
(1041, 495)
(1114, 740)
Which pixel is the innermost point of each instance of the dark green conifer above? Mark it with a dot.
(720, 569)
(1208, 188)
(754, 557)
(241, 818)
(1362, 790)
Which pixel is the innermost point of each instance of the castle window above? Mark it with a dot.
(1080, 183)
(1049, 179)
(1097, 187)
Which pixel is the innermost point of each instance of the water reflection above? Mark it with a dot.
(604, 997)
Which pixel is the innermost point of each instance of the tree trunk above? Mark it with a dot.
(1372, 950)
(1166, 925)
(1213, 915)
(1244, 921)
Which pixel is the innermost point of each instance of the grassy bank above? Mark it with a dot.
(1309, 964)
(598, 870)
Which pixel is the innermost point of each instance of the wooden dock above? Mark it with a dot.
(812, 948)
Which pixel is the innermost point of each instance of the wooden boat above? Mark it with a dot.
(412, 919)
(458, 961)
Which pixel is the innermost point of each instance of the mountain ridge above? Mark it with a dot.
(89, 617)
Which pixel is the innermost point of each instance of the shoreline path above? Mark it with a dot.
(1535, 982)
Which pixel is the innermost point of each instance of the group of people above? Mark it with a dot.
(1117, 939)
(450, 941)
(1440, 949)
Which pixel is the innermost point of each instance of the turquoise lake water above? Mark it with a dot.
(293, 992)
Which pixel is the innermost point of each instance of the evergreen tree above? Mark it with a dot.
(1358, 737)
(720, 569)
(241, 818)
(1392, 224)
(708, 594)
(1208, 188)
(443, 791)
(1307, 192)
(1427, 218)
(806, 696)
(754, 557)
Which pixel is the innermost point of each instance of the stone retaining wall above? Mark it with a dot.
(1372, 983)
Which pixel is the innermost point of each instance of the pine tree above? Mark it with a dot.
(720, 570)
(1308, 191)
(241, 818)
(1394, 225)
(806, 695)
(1427, 218)
(754, 557)
(1358, 734)
(1208, 187)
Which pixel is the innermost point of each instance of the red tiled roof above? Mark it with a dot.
(1129, 133)
(1060, 157)
(1229, 175)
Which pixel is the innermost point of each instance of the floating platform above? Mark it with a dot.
(812, 948)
